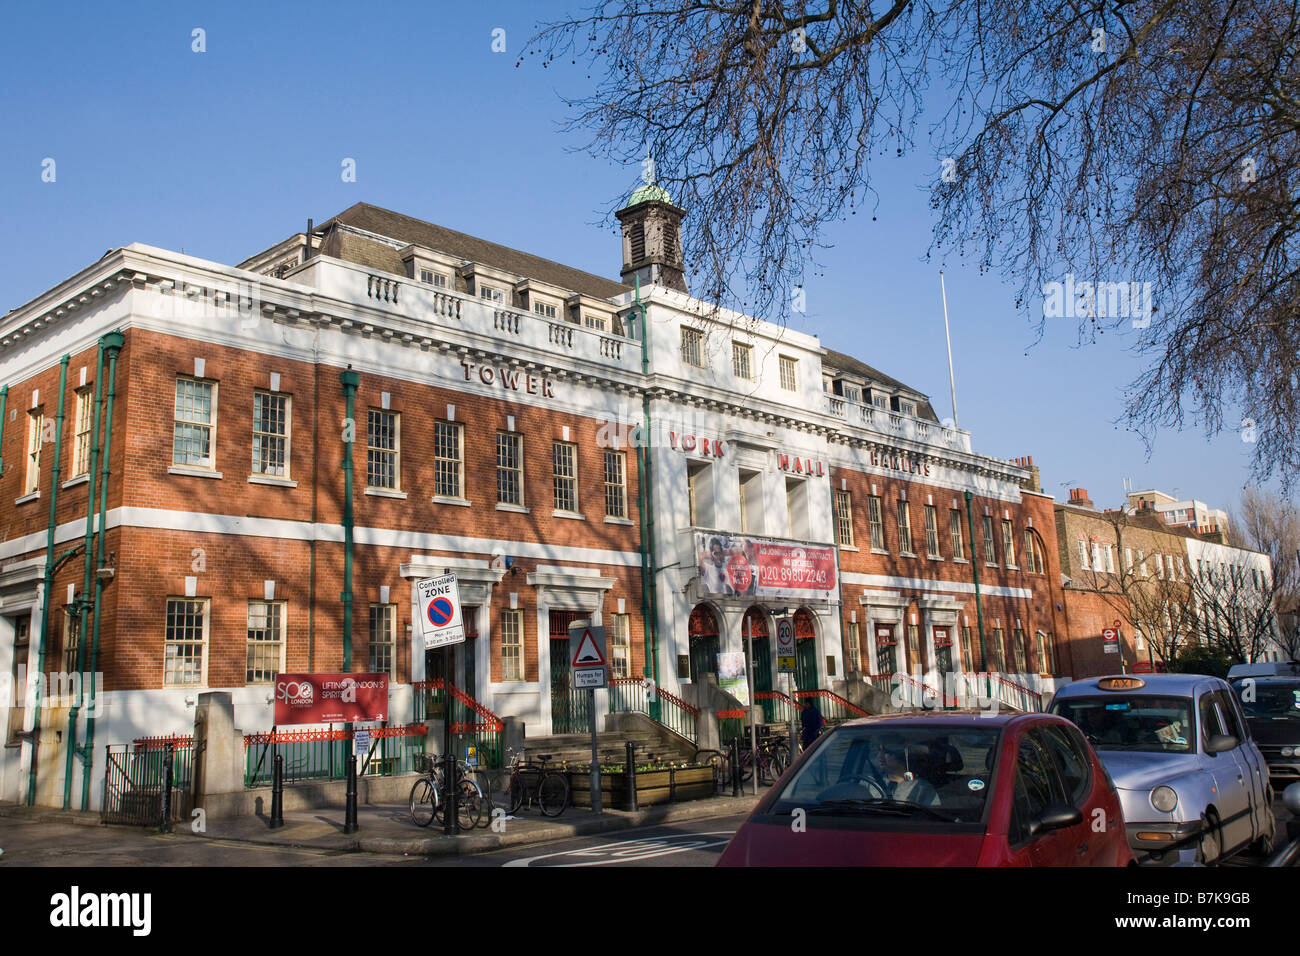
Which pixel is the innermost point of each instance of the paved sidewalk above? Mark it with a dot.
(389, 829)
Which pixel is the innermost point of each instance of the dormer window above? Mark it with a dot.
(880, 400)
(544, 309)
(429, 277)
(904, 406)
(593, 321)
(853, 393)
(491, 294)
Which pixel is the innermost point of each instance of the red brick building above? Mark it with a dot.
(500, 410)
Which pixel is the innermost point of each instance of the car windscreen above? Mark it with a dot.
(1140, 722)
(1269, 699)
(899, 775)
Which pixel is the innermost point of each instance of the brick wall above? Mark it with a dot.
(152, 564)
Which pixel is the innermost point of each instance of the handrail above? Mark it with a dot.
(685, 714)
(496, 724)
(771, 695)
(846, 704)
(157, 743)
(676, 701)
(737, 714)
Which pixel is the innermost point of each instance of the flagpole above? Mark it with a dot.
(952, 380)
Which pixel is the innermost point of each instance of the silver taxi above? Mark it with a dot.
(1193, 786)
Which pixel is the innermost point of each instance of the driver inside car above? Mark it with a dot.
(901, 780)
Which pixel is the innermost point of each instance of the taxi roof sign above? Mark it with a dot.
(1121, 683)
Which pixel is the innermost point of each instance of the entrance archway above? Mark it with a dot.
(805, 648)
(702, 630)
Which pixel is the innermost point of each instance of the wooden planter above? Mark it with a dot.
(652, 786)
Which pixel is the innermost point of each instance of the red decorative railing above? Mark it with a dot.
(159, 743)
(489, 722)
(836, 707)
(633, 695)
(777, 707)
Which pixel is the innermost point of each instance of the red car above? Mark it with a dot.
(947, 789)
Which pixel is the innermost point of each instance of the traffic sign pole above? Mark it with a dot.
(749, 681)
(449, 759)
(587, 665)
(595, 756)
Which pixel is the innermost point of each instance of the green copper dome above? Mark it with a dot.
(650, 192)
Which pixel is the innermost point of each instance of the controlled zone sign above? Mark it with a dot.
(785, 645)
(439, 611)
(587, 656)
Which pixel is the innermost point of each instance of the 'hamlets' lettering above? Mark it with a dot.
(898, 462)
(77, 909)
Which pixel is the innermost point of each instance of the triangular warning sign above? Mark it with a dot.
(588, 653)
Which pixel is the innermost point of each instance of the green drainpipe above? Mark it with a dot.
(83, 602)
(48, 579)
(979, 613)
(4, 401)
(350, 380)
(649, 582)
(112, 344)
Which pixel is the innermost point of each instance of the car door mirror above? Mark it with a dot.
(1291, 799)
(1058, 816)
(1220, 743)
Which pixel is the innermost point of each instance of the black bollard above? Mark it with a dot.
(168, 759)
(277, 792)
(735, 767)
(629, 800)
(449, 821)
(350, 813)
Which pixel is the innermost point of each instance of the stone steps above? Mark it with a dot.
(650, 740)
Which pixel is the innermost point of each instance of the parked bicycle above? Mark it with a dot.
(428, 798)
(531, 780)
(773, 757)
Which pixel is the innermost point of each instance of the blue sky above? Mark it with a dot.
(225, 152)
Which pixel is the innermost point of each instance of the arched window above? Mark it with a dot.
(755, 623)
(1035, 562)
(703, 623)
(803, 624)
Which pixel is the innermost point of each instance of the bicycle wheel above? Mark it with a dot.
(746, 766)
(516, 790)
(553, 794)
(423, 802)
(469, 805)
(780, 760)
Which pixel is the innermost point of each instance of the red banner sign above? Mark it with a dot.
(330, 698)
(753, 567)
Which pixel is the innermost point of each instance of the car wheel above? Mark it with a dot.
(1265, 844)
(1211, 839)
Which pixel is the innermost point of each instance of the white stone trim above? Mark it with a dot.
(921, 584)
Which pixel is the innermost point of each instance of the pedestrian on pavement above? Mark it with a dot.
(811, 722)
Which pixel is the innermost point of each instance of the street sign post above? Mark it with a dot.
(587, 665)
(440, 623)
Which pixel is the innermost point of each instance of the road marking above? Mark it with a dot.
(629, 851)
